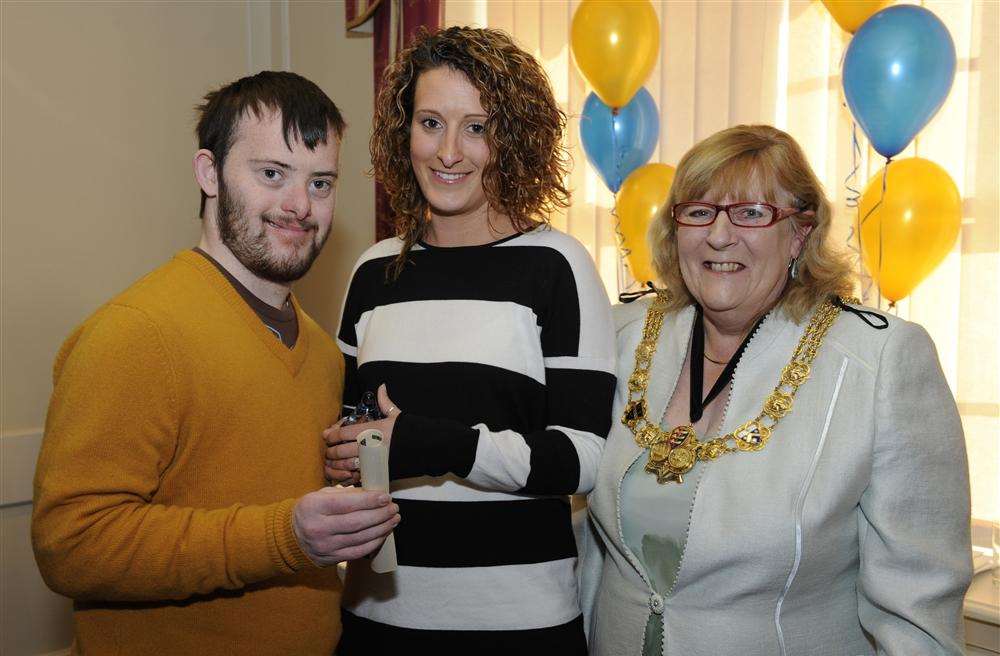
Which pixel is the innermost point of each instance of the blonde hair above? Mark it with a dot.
(756, 162)
(524, 129)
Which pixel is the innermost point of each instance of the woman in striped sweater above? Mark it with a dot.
(491, 332)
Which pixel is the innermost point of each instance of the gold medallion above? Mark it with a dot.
(710, 451)
(681, 459)
(777, 405)
(634, 411)
(648, 435)
(681, 434)
(795, 373)
(645, 351)
(673, 453)
(659, 453)
(751, 436)
(638, 381)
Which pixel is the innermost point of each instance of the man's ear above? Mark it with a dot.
(205, 172)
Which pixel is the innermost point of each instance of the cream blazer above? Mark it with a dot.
(848, 534)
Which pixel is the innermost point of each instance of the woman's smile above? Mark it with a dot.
(449, 177)
(723, 267)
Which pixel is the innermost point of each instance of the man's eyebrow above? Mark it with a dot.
(288, 167)
(274, 162)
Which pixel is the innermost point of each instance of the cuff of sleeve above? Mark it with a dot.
(288, 554)
(423, 446)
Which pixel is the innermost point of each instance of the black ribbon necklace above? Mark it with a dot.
(873, 319)
(697, 407)
(628, 297)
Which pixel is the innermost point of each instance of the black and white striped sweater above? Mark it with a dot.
(502, 357)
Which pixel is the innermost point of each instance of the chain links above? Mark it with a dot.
(673, 453)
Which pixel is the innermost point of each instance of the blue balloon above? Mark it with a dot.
(898, 70)
(617, 144)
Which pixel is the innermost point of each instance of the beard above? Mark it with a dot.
(253, 250)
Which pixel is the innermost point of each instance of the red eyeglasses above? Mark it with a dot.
(745, 215)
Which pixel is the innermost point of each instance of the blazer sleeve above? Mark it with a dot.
(589, 565)
(915, 553)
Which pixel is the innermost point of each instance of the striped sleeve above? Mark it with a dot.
(347, 341)
(356, 300)
(577, 342)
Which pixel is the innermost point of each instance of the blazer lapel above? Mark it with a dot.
(671, 350)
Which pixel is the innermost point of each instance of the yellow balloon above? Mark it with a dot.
(615, 45)
(642, 195)
(914, 228)
(850, 14)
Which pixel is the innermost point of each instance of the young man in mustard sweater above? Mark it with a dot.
(179, 494)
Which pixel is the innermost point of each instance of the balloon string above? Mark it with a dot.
(881, 225)
(854, 194)
(853, 201)
(616, 157)
(623, 250)
(861, 222)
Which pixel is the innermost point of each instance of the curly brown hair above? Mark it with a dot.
(524, 128)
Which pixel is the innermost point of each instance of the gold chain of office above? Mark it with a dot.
(672, 453)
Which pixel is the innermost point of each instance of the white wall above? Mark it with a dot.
(342, 66)
(96, 190)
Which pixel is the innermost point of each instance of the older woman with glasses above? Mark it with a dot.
(787, 473)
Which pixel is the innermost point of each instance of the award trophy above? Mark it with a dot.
(365, 410)
(375, 476)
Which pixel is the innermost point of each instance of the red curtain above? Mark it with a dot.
(393, 24)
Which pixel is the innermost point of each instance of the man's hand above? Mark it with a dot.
(342, 463)
(344, 475)
(335, 524)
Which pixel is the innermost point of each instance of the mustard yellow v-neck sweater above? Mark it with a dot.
(179, 435)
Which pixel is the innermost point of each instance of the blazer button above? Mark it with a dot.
(656, 603)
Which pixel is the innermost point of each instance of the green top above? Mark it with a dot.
(655, 520)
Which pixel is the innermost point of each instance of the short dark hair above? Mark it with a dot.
(307, 114)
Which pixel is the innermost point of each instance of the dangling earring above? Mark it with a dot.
(793, 268)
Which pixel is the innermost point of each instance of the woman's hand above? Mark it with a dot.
(342, 462)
